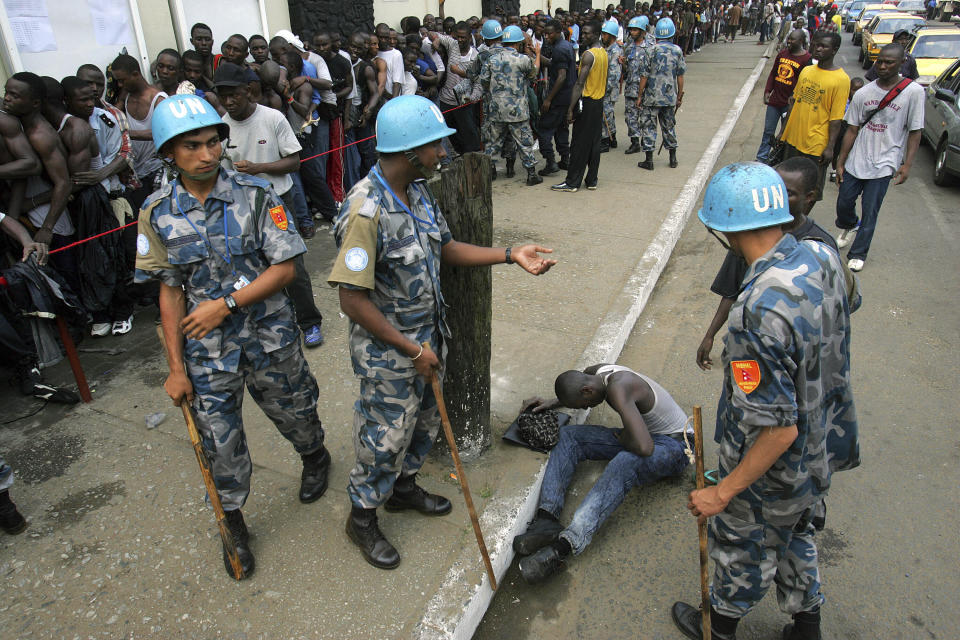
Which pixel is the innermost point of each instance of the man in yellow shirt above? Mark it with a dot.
(589, 90)
(817, 107)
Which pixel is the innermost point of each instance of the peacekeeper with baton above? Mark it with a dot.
(786, 418)
(222, 246)
(392, 239)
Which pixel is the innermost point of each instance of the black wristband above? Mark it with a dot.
(506, 256)
(231, 303)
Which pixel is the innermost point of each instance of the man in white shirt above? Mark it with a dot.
(875, 151)
(393, 58)
(263, 144)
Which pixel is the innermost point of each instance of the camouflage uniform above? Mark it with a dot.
(613, 90)
(6, 475)
(507, 75)
(396, 258)
(487, 130)
(181, 243)
(786, 362)
(635, 55)
(661, 69)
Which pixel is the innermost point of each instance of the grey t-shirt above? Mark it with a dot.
(879, 146)
(265, 136)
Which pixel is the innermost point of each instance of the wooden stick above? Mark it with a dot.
(702, 527)
(74, 360)
(225, 534)
(461, 475)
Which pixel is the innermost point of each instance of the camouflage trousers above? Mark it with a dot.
(748, 556)
(648, 127)
(517, 132)
(487, 134)
(631, 113)
(609, 117)
(6, 475)
(285, 390)
(394, 425)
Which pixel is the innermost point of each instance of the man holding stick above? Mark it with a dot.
(392, 239)
(223, 247)
(786, 419)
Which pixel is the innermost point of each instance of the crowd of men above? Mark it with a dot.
(227, 160)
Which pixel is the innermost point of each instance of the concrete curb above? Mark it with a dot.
(457, 608)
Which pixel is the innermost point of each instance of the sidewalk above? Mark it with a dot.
(121, 543)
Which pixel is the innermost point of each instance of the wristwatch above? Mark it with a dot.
(231, 303)
(507, 258)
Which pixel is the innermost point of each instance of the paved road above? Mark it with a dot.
(890, 547)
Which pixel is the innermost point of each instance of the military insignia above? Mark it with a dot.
(356, 259)
(143, 245)
(746, 373)
(279, 217)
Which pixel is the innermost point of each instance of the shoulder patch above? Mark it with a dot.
(356, 259)
(369, 207)
(248, 180)
(143, 245)
(746, 373)
(156, 197)
(279, 216)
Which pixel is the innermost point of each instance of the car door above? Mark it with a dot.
(937, 115)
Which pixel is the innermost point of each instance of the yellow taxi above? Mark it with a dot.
(880, 32)
(934, 49)
(866, 15)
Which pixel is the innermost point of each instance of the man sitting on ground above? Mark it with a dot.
(648, 447)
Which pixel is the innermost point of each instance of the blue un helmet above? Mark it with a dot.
(744, 196)
(639, 22)
(407, 122)
(491, 30)
(512, 34)
(182, 113)
(665, 29)
(611, 27)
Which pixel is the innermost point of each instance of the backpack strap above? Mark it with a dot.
(887, 99)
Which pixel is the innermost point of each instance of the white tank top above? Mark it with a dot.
(145, 159)
(666, 416)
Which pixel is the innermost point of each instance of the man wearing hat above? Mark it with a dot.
(908, 69)
(634, 56)
(786, 418)
(610, 32)
(392, 239)
(650, 446)
(223, 247)
(660, 93)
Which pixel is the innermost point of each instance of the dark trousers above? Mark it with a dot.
(551, 128)
(300, 290)
(467, 137)
(585, 148)
(313, 172)
(789, 151)
(871, 193)
(368, 153)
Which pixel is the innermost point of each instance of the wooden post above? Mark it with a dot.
(463, 193)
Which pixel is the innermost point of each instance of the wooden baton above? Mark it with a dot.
(461, 475)
(228, 542)
(702, 526)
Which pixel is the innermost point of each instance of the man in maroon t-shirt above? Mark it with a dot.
(783, 76)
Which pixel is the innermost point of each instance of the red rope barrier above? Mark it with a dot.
(130, 224)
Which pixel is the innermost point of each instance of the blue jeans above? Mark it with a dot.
(873, 192)
(625, 471)
(770, 122)
(301, 212)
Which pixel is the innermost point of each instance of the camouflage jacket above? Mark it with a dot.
(181, 242)
(396, 257)
(661, 69)
(635, 55)
(786, 361)
(614, 52)
(507, 75)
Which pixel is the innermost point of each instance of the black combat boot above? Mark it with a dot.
(313, 480)
(544, 529)
(532, 177)
(613, 142)
(648, 163)
(604, 145)
(511, 162)
(363, 531)
(550, 169)
(673, 158)
(241, 538)
(407, 494)
(806, 626)
(545, 562)
(689, 621)
(634, 146)
(11, 520)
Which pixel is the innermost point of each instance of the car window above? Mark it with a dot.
(910, 5)
(950, 79)
(940, 46)
(892, 25)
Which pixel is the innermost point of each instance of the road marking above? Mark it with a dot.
(450, 616)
